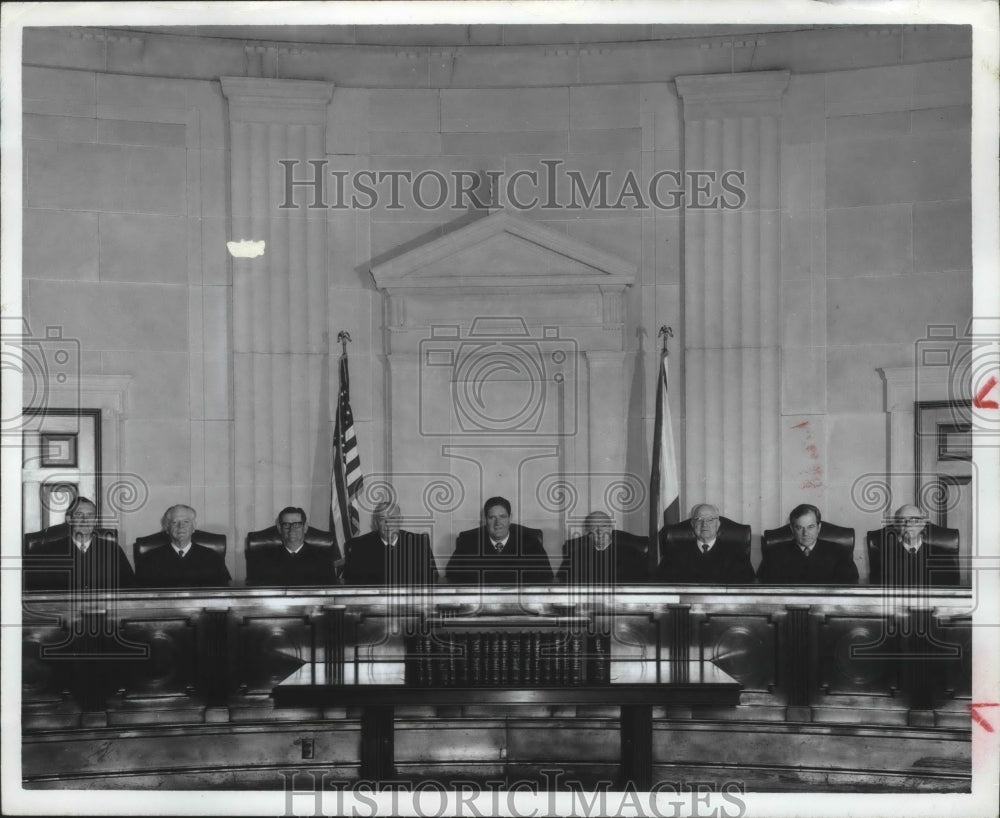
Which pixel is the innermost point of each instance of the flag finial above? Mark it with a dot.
(344, 337)
(665, 333)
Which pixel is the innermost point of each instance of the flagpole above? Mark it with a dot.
(662, 412)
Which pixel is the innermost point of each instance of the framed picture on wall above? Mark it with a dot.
(58, 450)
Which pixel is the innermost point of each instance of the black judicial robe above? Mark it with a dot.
(827, 564)
(475, 561)
(898, 568)
(59, 565)
(726, 563)
(369, 561)
(622, 561)
(201, 567)
(276, 565)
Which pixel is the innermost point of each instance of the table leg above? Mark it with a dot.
(377, 743)
(637, 746)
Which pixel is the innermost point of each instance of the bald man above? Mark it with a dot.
(603, 555)
(908, 554)
(711, 555)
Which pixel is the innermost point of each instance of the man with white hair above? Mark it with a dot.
(910, 552)
(389, 555)
(170, 559)
(714, 552)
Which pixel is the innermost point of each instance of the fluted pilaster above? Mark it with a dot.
(731, 297)
(280, 338)
(606, 407)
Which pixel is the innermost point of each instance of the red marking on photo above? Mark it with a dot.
(801, 425)
(813, 451)
(980, 401)
(977, 717)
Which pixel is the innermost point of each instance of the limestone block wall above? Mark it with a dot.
(875, 244)
(128, 203)
(125, 224)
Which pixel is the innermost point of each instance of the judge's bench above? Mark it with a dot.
(776, 688)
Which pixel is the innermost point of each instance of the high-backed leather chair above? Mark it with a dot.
(837, 534)
(939, 540)
(59, 531)
(143, 545)
(634, 542)
(678, 534)
(271, 536)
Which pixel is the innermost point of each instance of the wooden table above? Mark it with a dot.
(704, 684)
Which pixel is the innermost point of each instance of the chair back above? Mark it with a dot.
(941, 540)
(632, 542)
(143, 545)
(35, 539)
(270, 536)
(678, 534)
(837, 534)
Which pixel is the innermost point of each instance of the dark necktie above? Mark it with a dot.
(498, 546)
(704, 548)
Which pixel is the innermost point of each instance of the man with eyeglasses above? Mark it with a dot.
(714, 555)
(176, 561)
(909, 552)
(294, 562)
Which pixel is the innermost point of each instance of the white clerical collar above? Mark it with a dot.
(387, 544)
(181, 549)
(709, 543)
(296, 551)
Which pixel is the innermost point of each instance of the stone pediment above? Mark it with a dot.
(506, 250)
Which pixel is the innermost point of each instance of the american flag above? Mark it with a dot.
(347, 477)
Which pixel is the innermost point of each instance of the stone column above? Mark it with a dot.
(731, 315)
(280, 339)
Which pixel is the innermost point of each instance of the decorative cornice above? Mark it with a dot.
(903, 383)
(257, 99)
(106, 392)
(752, 93)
